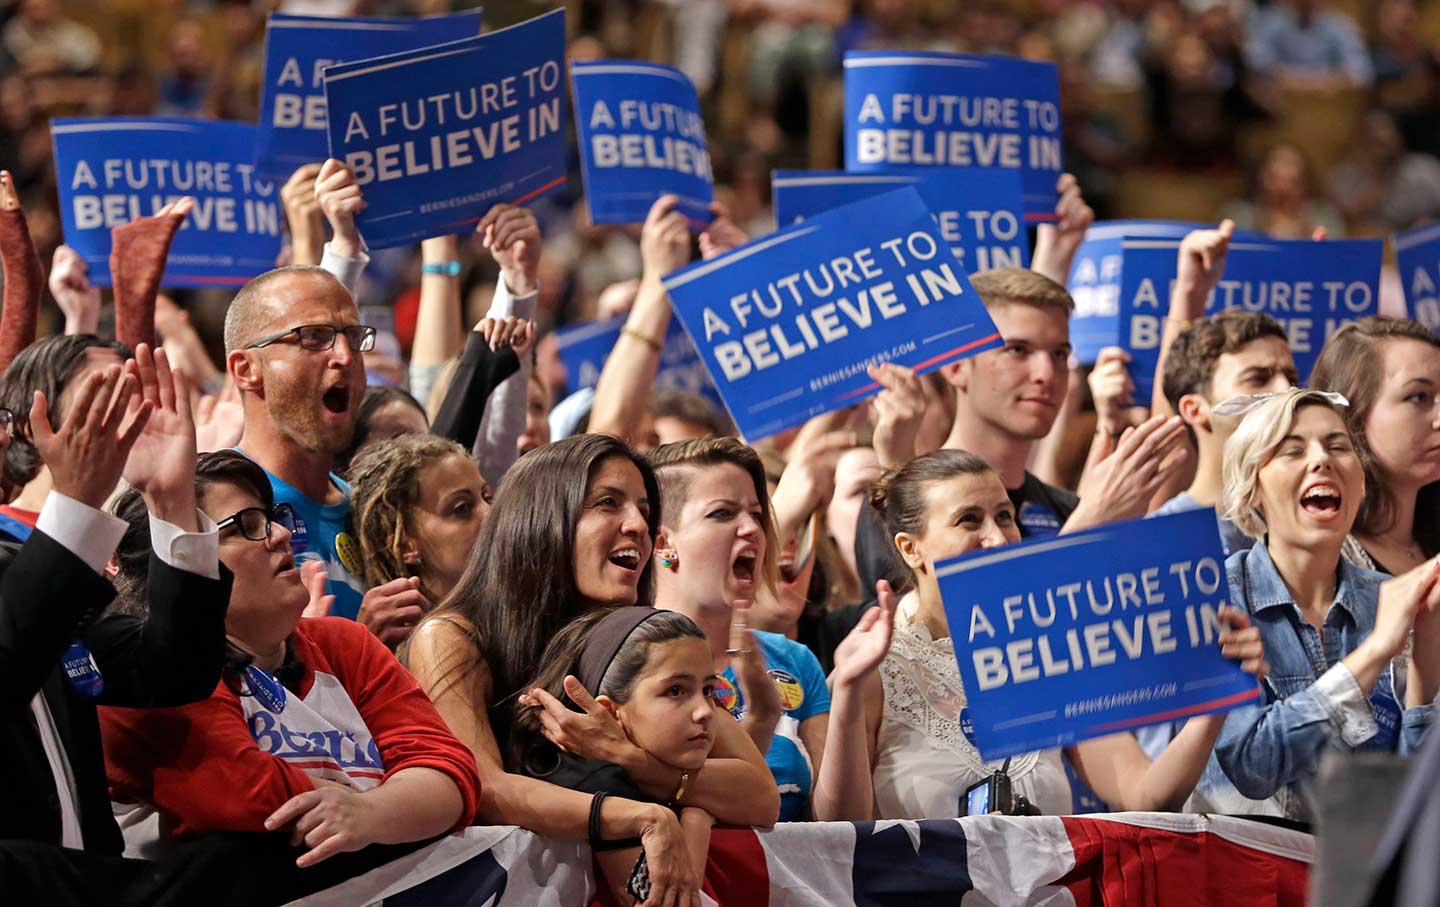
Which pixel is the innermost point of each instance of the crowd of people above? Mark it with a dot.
(270, 620)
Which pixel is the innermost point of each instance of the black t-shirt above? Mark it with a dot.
(590, 776)
(1039, 508)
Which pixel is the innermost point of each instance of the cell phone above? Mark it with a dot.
(639, 882)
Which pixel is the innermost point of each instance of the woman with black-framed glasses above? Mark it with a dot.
(310, 714)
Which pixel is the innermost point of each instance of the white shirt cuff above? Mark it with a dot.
(504, 303)
(85, 532)
(346, 270)
(193, 552)
(1347, 704)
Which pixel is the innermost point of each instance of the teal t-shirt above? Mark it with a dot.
(803, 694)
(324, 530)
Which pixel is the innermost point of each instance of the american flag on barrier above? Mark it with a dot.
(1130, 859)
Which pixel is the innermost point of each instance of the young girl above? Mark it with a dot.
(653, 671)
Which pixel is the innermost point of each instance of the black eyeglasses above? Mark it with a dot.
(320, 337)
(7, 419)
(256, 525)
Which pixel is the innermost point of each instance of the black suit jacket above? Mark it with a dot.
(49, 597)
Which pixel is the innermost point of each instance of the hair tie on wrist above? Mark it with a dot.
(595, 804)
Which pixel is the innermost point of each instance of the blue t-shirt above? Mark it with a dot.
(803, 694)
(324, 530)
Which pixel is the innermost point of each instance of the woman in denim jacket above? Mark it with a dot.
(1335, 634)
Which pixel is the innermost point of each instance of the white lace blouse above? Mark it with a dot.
(923, 762)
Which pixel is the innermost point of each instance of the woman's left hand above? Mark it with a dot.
(592, 733)
(1239, 641)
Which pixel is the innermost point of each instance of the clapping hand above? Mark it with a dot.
(86, 453)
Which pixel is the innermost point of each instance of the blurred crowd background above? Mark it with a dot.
(1284, 115)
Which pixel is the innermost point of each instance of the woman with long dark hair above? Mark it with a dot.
(572, 529)
(1389, 371)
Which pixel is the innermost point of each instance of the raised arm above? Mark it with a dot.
(78, 298)
(844, 790)
(303, 216)
(23, 279)
(439, 330)
(340, 199)
(622, 393)
(1200, 265)
(1056, 244)
(513, 237)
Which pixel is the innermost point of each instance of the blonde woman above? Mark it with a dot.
(1332, 631)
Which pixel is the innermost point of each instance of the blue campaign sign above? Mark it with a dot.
(956, 110)
(1094, 281)
(981, 213)
(788, 323)
(1418, 254)
(114, 170)
(1311, 288)
(297, 48)
(583, 349)
(437, 136)
(1078, 636)
(641, 136)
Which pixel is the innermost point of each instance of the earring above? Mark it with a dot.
(668, 558)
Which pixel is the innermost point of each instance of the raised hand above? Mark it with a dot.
(664, 239)
(513, 237)
(1200, 265)
(340, 198)
(303, 214)
(1121, 477)
(219, 419)
(86, 453)
(1112, 389)
(752, 675)
(898, 412)
(722, 235)
(77, 297)
(162, 462)
(392, 610)
(313, 575)
(808, 481)
(516, 333)
(1056, 244)
(864, 647)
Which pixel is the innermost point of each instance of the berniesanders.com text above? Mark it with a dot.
(855, 368)
(1116, 700)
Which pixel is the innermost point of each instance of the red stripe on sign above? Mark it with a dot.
(927, 363)
(210, 278)
(1196, 709)
(519, 201)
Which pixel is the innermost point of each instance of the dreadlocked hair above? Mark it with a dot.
(385, 479)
